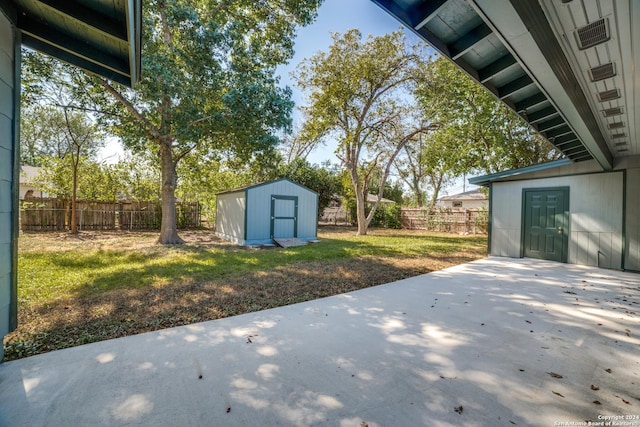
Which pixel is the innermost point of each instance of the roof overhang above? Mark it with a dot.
(100, 36)
(485, 180)
(527, 53)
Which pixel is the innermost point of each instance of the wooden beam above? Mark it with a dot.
(545, 113)
(514, 86)
(531, 101)
(491, 70)
(469, 40)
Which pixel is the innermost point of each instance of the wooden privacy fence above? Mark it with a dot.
(42, 214)
(472, 221)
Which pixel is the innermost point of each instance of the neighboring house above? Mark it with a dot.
(372, 198)
(257, 214)
(27, 176)
(569, 68)
(474, 199)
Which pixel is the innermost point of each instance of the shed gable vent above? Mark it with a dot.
(593, 34)
(602, 72)
(622, 150)
(620, 144)
(612, 112)
(616, 125)
(608, 95)
(619, 135)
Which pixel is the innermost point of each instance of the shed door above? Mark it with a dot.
(546, 217)
(284, 217)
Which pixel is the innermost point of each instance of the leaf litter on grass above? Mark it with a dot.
(206, 279)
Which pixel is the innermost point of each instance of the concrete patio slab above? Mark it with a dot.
(496, 342)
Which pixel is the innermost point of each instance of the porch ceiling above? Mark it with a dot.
(100, 36)
(541, 59)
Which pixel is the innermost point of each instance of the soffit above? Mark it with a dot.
(526, 54)
(100, 36)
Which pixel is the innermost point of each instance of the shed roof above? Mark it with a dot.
(484, 180)
(259, 184)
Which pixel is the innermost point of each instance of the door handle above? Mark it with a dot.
(560, 230)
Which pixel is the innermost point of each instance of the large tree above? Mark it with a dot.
(488, 137)
(430, 162)
(208, 84)
(358, 96)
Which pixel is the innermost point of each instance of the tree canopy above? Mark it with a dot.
(357, 95)
(208, 84)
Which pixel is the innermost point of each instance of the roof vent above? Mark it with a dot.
(593, 34)
(618, 135)
(602, 72)
(608, 95)
(620, 144)
(612, 111)
(623, 150)
(616, 125)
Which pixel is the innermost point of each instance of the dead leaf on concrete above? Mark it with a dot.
(594, 387)
(554, 375)
(625, 401)
(597, 402)
(363, 424)
(608, 370)
(458, 409)
(556, 393)
(228, 409)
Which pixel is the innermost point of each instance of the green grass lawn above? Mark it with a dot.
(74, 290)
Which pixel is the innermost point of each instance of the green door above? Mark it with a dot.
(546, 220)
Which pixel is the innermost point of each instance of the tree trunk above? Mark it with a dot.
(168, 228)
(361, 200)
(74, 196)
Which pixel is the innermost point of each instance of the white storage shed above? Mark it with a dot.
(257, 214)
(568, 212)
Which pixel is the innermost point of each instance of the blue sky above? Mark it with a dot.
(335, 16)
(340, 16)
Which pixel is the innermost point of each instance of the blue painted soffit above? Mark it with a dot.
(100, 36)
(509, 47)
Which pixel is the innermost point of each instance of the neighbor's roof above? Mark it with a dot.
(372, 198)
(467, 195)
(247, 187)
(28, 173)
(100, 36)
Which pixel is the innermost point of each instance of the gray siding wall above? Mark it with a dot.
(259, 210)
(230, 210)
(632, 255)
(8, 136)
(595, 219)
